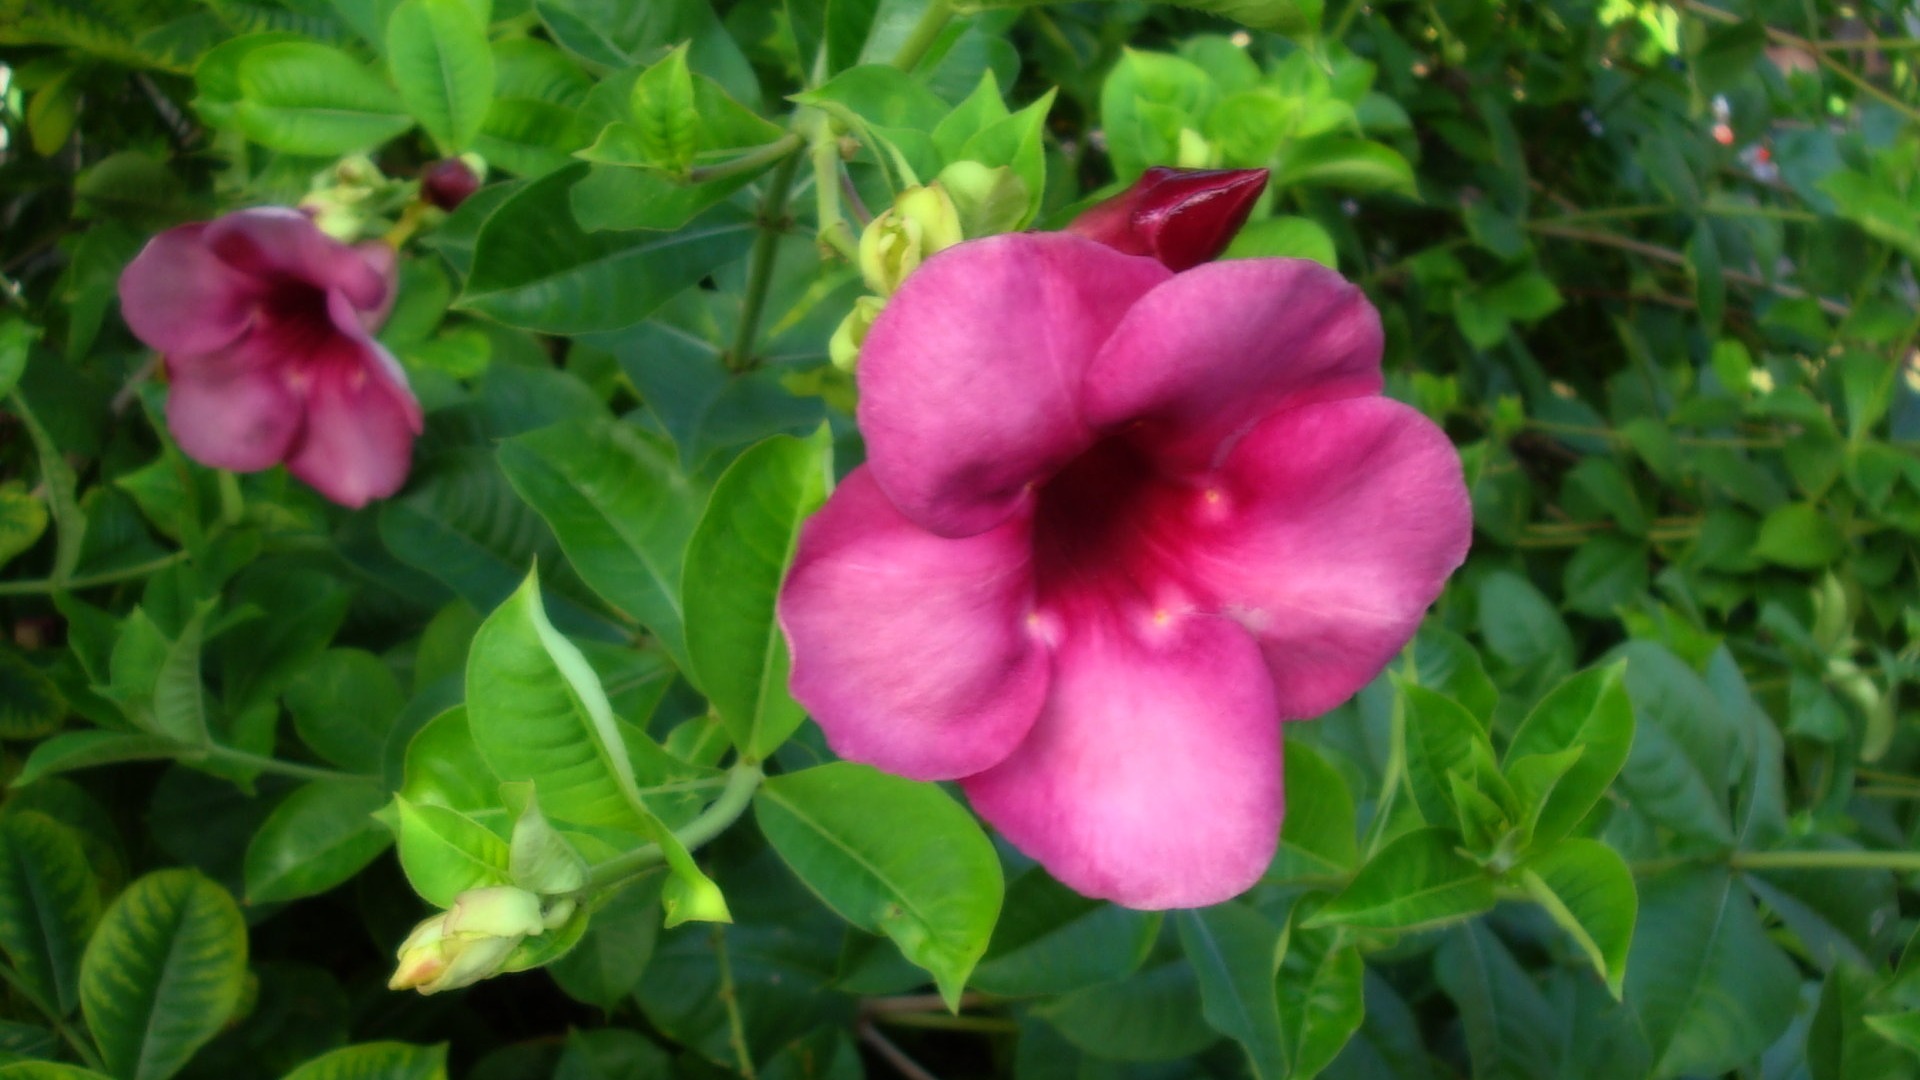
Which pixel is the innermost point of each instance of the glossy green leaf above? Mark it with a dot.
(49, 902)
(1800, 536)
(438, 54)
(622, 510)
(163, 973)
(1284, 238)
(1317, 835)
(535, 268)
(376, 1061)
(307, 98)
(1050, 940)
(343, 703)
(317, 838)
(1441, 738)
(935, 889)
(1235, 953)
(87, 749)
(1320, 996)
(735, 562)
(1590, 711)
(1588, 890)
(664, 116)
(1152, 1015)
(1340, 161)
(444, 768)
(1417, 880)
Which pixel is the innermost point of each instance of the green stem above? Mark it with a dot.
(742, 781)
(233, 505)
(932, 23)
(88, 581)
(748, 162)
(1904, 862)
(284, 768)
(766, 248)
(80, 1046)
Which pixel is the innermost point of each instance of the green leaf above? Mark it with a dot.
(30, 704)
(1685, 750)
(1317, 833)
(535, 268)
(1588, 889)
(163, 973)
(664, 115)
(305, 98)
(1416, 881)
(1710, 988)
(49, 902)
(739, 552)
(444, 768)
(444, 852)
(1799, 536)
(1051, 940)
(1152, 1015)
(317, 838)
(1235, 953)
(1341, 161)
(1591, 711)
(1284, 238)
(1901, 1029)
(47, 1070)
(1442, 737)
(538, 712)
(86, 749)
(344, 702)
(1842, 1042)
(1508, 1026)
(539, 859)
(935, 888)
(1146, 101)
(622, 510)
(610, 959)
(437, 51)
(16, 342)
(1321, 1001)
(376, 1061)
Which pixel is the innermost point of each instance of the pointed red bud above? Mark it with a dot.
(1183, 217)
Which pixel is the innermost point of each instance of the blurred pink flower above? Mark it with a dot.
(266, 324)
(1182, 217)
(1114, 525)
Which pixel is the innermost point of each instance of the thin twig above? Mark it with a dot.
(895, 1056)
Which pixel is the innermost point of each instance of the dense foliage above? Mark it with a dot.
(1637, 801)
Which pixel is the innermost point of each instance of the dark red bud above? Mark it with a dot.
(1183, 217)
(447, 183)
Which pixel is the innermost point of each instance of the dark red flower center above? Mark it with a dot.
(1109, 530)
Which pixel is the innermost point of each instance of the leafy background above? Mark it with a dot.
(1637, 802)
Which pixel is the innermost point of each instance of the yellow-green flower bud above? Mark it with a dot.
(468, 942)
(844, 349)
(920, 222)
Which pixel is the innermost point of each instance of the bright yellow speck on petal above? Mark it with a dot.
(1213, 495)
(1160, 618)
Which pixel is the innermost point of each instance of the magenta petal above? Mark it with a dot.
(358, 442)
(911, 651)
(1221, 346)
(1336, 526)
(970, 379)
(274, 241)
(180, 299)
(229, 417)
(1152, 778)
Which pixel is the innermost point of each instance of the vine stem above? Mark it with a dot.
(283, 768)
(1671, 257)
(766, 249)
(754, 159)
(87, 581)
(1904, 862)
(742, 781)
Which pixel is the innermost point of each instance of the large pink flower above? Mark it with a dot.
(267, 327)
(1115, 524)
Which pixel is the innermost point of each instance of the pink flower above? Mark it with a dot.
(267, 327)
(1116, 524)
(1182, 217)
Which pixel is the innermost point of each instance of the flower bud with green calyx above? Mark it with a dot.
(343, 199)
(921, 222)
(468, 942)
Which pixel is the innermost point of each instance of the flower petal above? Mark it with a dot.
(1208, 354)
(1336, 525)
(227, 417)
(358, 442)
(970, 379)
(1152, 778)
(275, 241)
(910, 650)
(180, 299)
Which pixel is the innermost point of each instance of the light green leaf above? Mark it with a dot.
(376, 1061)
(1317, 833)
(1284, 238)
(1590, 711)
(1341, 161)
(444, 852)
(664, 117)
(163, 973)
(305, 98)
(85, 749)
(438, 54)
(935, 888)
(1799, 536)
(735, 561)
(1588, 889)
(1418, 880)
